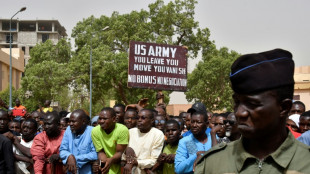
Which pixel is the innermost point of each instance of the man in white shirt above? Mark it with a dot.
(145, 144)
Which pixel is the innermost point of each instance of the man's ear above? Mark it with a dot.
(286, 106)
(114, 119)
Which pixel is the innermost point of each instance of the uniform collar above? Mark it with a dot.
(282, 156)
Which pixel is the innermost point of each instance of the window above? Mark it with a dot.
(45, 37)
(8, 38)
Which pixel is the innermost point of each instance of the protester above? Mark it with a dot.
(19, 110)
(290, 123)
(38, 116)
(263, 86)
(45, 147)
(22, 147)
(77, 150)
(196, 107)
(232, 132)
(180, 122)
(14, 126)
(110, 140)
(193, 145)
(6, 156)
(47, 107)
(4, 125)
(160, 108)
(292, 126)
(210, 115)
(145, 144)
(298, 107)
(64, 123)
(218, 132)
(160, 121)
(212, 122)
(304, 122)
(120, 112)
(130, 118)
(166, 159)
(183, 115)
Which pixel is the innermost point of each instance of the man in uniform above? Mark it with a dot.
(263, 86)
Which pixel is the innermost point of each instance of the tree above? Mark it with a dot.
(47, 74)
(209, 82)
(170, 24)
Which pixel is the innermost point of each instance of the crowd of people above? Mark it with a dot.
(266, 133)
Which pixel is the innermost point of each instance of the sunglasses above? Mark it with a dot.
(229, 121)
(160, 121)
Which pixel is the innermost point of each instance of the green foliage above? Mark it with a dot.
(209, 82)
(47, 74)
(5, 96)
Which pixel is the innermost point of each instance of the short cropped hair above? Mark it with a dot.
(172, 122)
(111, 110)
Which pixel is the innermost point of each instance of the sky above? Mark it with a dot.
(245, 26)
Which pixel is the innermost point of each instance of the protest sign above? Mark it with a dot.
(157, 66)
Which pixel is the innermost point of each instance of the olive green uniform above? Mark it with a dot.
(292, 157)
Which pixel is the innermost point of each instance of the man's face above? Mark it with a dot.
(145, 121)
(106, 121)
(172, 133)
(188, 121)
(4, 120)
(36, 116)
(209, 116)
(14, 126)
(63, 124)
(183, 115)
(77, 123)
(290, 123)
(257, 115)
(51, 126)
(297, 109)
(17, 102)
(47, 103)
(130, 119)
(231, 123)
(119, 114)
(28, 130)
(160, 122)
(198, 124)
(304, 124)
(220, 121)
(212, 122)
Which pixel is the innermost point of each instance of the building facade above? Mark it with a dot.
(27, 33)
(302, 85)
(17, 67)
